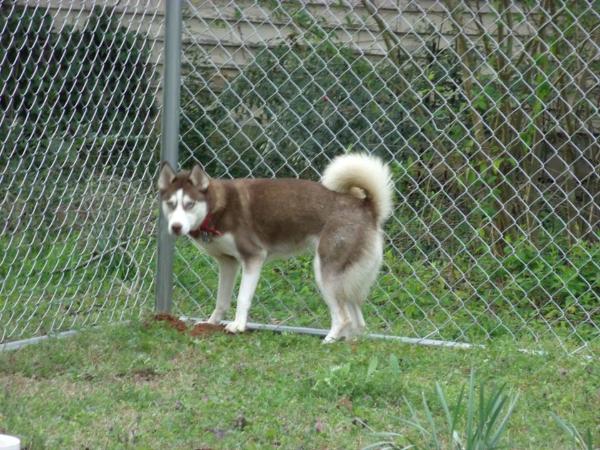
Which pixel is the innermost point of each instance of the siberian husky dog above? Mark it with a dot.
(248, 221)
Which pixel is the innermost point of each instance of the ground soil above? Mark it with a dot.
(200, 329)
(173, 321)
(203, 329)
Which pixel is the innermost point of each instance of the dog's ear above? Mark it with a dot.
(199, 178)
(166, 176)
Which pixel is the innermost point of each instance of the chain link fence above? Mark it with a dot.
(79, 83)
(488, 115)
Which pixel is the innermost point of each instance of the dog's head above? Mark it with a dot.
(183, 198)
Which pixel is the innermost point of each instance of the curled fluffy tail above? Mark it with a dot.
(363, 176)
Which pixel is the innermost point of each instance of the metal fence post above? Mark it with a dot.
(170, 142)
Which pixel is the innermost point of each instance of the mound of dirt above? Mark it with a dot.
(200, 329)
(203, 329)
(173, 321)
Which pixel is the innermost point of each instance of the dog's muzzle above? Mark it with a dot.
(176, 229)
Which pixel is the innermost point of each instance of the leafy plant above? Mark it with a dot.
(351, 379)
(285, 114)
(581, 441)
(478, 423)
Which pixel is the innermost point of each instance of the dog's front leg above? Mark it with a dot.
(227, 270)
(250, 274)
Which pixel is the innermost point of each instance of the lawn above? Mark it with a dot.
(145, 385)
(78, 280)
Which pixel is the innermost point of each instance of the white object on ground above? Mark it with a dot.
(9, 442)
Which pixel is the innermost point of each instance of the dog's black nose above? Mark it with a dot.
(176, 228)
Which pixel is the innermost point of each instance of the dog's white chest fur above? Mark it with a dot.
(220, 245)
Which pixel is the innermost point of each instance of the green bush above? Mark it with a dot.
(84, 89)
(285, 114)
(559, 283)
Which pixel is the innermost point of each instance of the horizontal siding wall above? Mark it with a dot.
(144, 17)
(228, 33)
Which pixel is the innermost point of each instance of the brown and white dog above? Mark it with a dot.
(248, 221)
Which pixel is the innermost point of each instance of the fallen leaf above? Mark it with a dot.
(240, 422)
(319, 426)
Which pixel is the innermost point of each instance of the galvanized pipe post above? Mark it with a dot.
(169, 146)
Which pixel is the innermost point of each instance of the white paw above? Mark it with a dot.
(214, 319)
(338, 333)
(330, 339)
(235, 327)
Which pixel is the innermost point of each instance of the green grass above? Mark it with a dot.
(146, 386)
(66, 281)
(412, 298)
(59, 282)
(102, 273)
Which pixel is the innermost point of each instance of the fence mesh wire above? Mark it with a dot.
(79, 85)
(486, 111)
(488, 115)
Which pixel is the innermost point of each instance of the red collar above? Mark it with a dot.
(206, 227)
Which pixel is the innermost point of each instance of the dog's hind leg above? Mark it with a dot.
(358, 321)
(228, 268)
(340, 316)
(341, 323)
(250, 274)
(356, 282)
(351, 275)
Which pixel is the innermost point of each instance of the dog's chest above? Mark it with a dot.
(219, 246)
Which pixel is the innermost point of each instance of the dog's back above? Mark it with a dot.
(291, 209)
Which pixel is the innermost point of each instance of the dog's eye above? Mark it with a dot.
(171, 205)
(188, 205)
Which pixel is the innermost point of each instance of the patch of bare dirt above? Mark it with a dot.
(204, 329)
(171, 320)
(200, 329)
(140, 375)
(145, 374)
